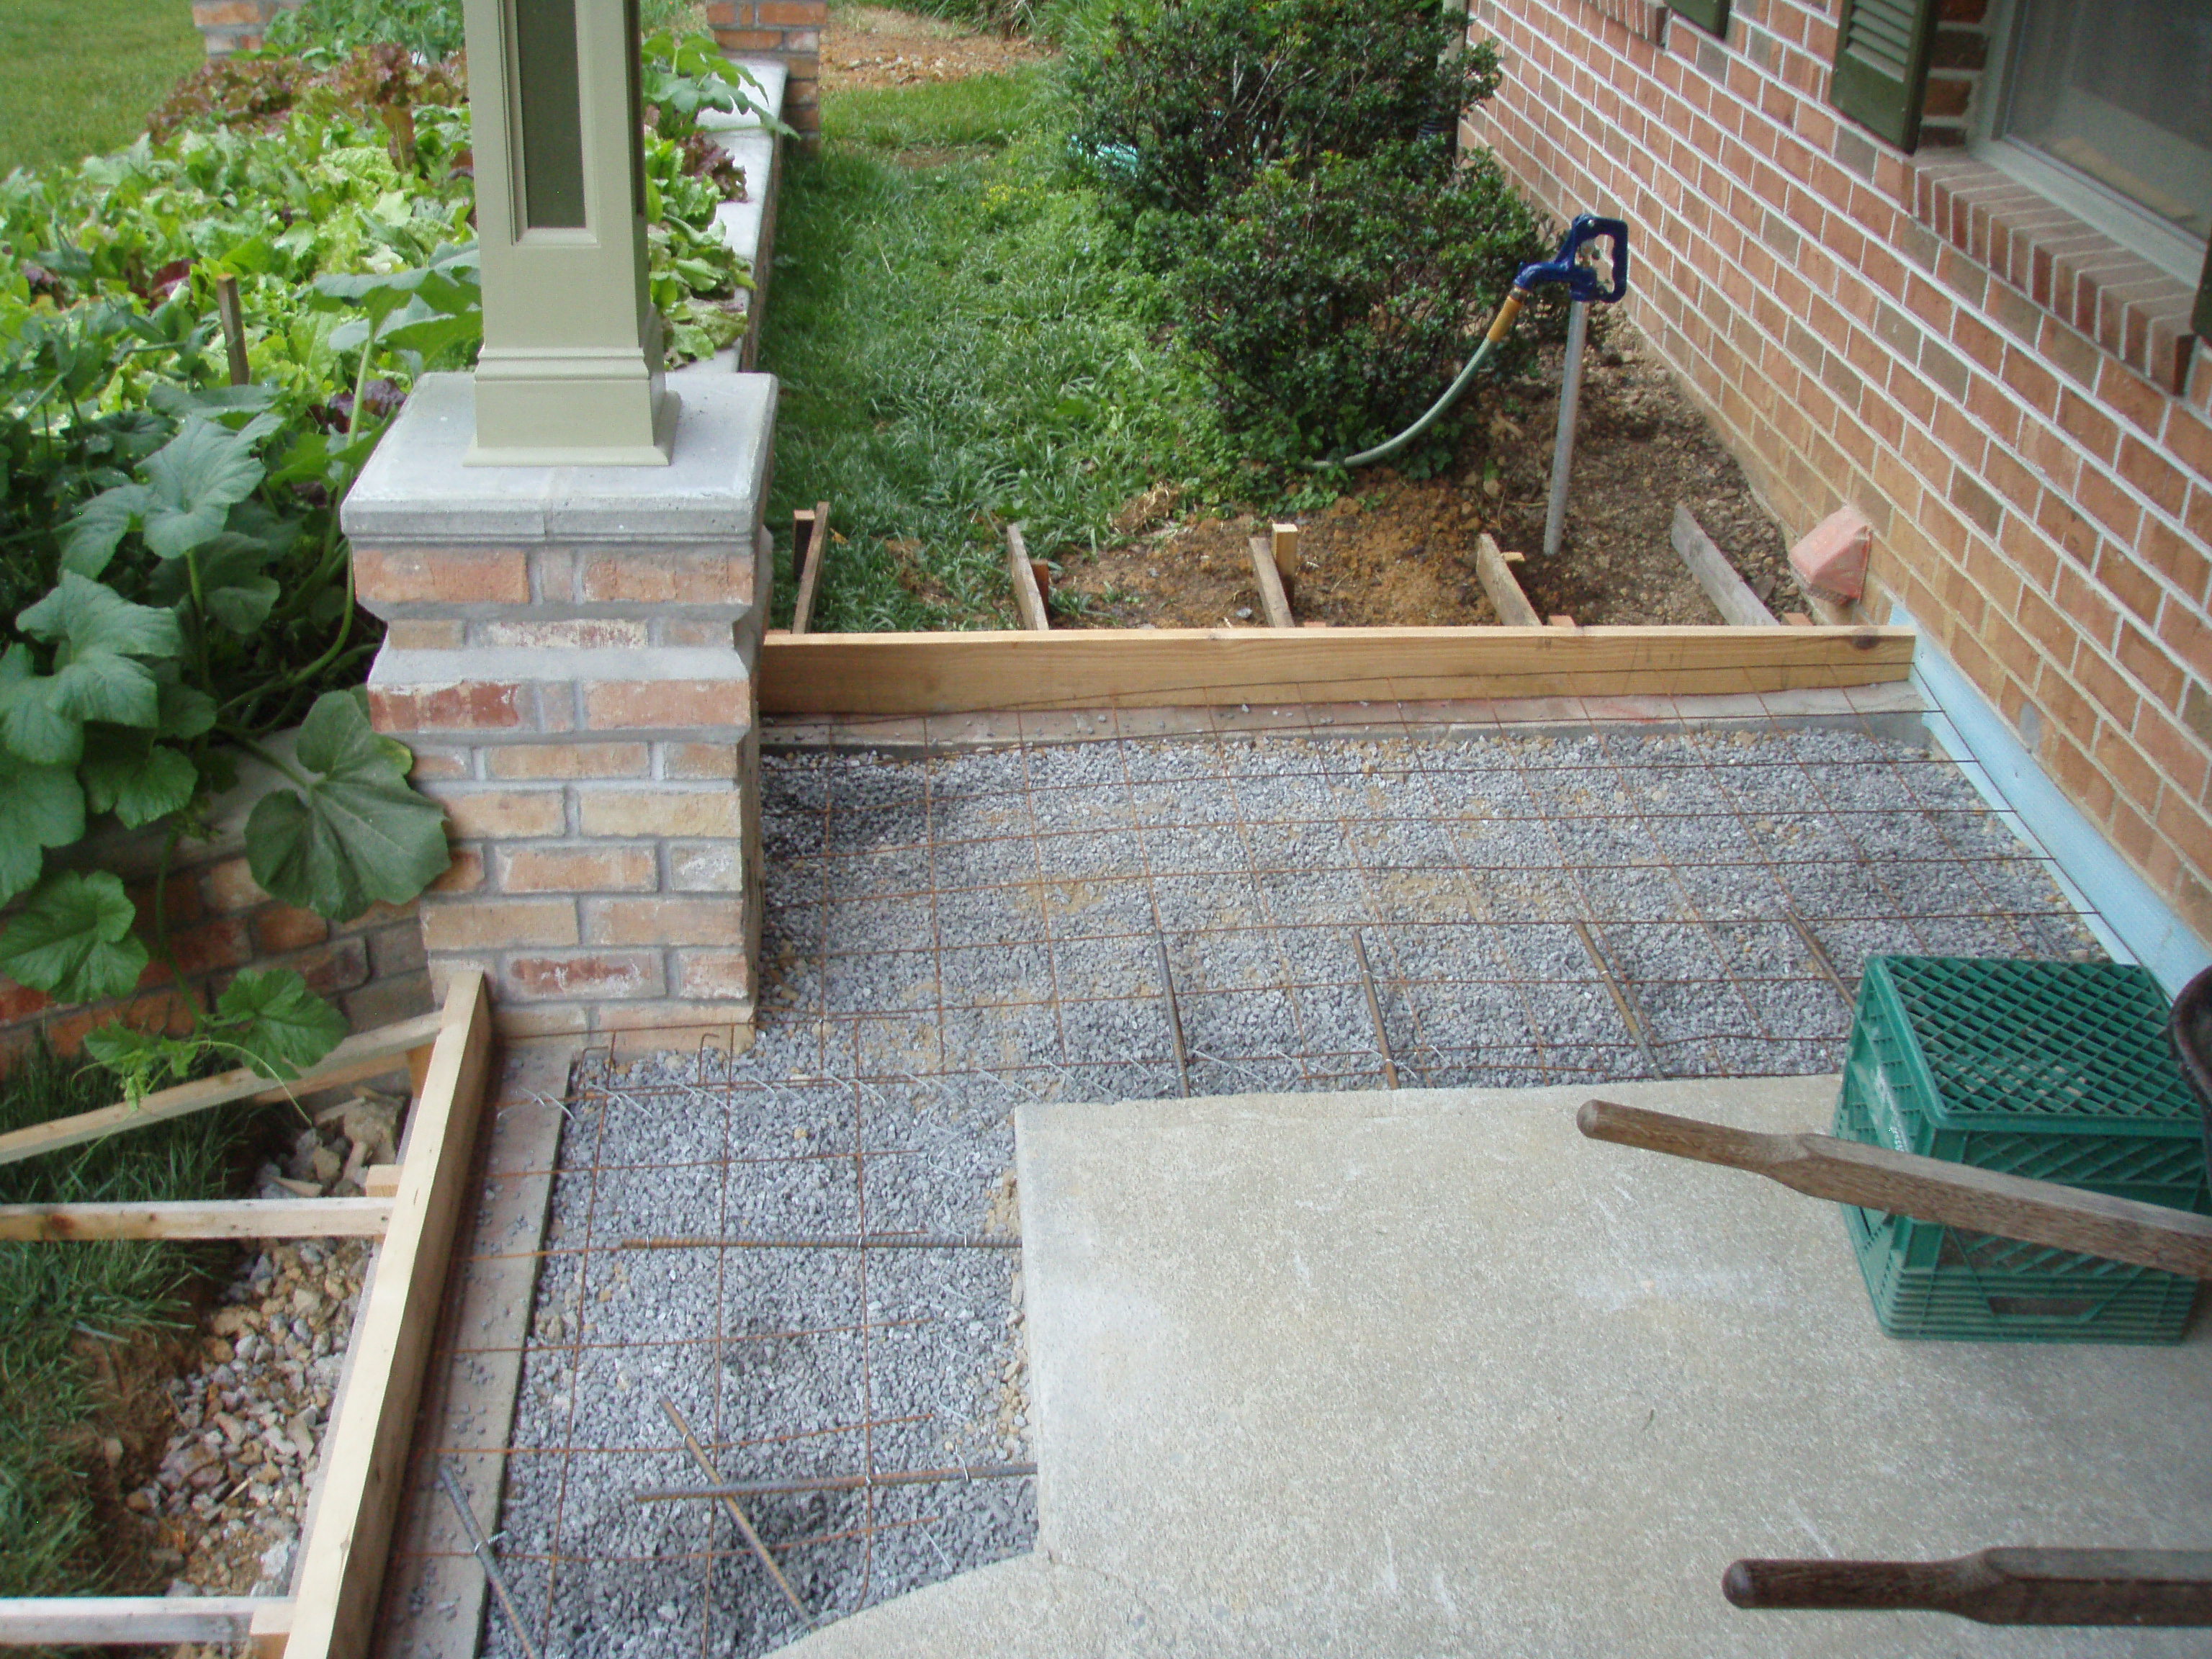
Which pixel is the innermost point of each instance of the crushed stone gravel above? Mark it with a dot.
(948, 937)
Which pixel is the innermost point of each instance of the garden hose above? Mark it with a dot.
(1565, 266)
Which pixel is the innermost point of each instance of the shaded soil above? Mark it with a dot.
(1400, 552)
(866, 47)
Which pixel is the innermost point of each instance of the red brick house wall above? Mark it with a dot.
(2013, 401)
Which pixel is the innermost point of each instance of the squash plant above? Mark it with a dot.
(145, 670)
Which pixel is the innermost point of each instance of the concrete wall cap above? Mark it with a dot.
(416, 489)
(502, 665)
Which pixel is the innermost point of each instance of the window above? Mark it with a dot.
(2118, 98)
(2104, 106)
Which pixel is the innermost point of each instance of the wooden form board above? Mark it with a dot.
(949, 673)
(1272, 599)
(1494, 570)
(1028, 592)
(1731, 595)
(809, 545)
(343, 1553)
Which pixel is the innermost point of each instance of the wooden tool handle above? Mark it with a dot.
(1995, 1586)
(1929, 1188)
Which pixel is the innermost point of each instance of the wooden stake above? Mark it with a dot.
(295, 1217)
(1274, 599)
(809, 545)
(231, 316)
(1495, 573)
(1290, 563)
(1731, 595)
(1029, 592)
(370, 1054)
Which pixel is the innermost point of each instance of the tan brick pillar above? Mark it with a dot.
(228, 26)
(570, 655)
(789, 29)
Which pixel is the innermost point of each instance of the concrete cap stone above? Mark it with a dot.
(416, 488)
(1831, 560)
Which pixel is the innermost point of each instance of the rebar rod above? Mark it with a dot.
(1175, 1017)
(480, 1546)
(1375, 1010)
(738, 1514)
(945, 1477)
(1618, 992)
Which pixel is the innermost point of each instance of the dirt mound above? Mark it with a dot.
(1400, 552)
(867, 47)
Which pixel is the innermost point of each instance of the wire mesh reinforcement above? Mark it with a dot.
(785, 1242)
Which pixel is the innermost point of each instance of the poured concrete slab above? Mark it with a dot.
(1428, 1373)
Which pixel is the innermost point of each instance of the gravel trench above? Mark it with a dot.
(949, 936)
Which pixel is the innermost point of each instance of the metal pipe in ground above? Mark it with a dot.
(1562, 451)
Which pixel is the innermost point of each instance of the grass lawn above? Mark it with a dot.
(964, 342)
(78, 77)
(54, 1297)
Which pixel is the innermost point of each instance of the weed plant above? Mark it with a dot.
(963, 342)
(55, 1297)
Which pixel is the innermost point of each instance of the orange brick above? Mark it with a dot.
(522, 761)
(714, 974)
(2129, 583)
(464, 875)
(2156, 670)
(664, 921)
(645, 705)
(2191, 439)
(576, 869)
(482, 924)
(454, 575)
(2132, 396)
(417, 634)
(627, 813)
(2182, 757)
(715, 761)
(282, 927)
(2153, 474)
(2105, 502)
(586, 976)
(672, 578)
(472, 706)
(502, 814)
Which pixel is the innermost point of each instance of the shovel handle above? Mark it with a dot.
(1995, 1586)
(1929, 1188)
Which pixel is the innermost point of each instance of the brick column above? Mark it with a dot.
(228, 26)
(787, 29)
(570, 656)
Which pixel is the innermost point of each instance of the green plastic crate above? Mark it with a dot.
(2054, 1070)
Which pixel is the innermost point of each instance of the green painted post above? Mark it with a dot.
(571, 372)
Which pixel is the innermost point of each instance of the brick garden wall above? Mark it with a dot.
(789, 29)
(220, 920)
(2012, 400)
(228, 26)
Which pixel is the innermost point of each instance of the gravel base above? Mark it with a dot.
(947, 937)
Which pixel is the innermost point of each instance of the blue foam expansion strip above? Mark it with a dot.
(2131, 920)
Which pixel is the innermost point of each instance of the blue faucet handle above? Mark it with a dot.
(1567, 265)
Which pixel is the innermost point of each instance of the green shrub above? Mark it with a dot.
(1286, 165)
(1183, 102)
(1333, 303)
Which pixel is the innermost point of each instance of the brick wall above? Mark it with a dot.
(787, 29)
(228, 26)
(2013, 400)
(219, 921)
(569, 655)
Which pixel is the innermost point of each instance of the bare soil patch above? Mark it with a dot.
(1400, 552)
(869, 47)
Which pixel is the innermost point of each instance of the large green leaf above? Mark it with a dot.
(196, 479)
(31, 720)
(283, 1027)
(99, 634)
(123, 775)
(73, 940)
(357, 834)
(40, 806)
(88, 540)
